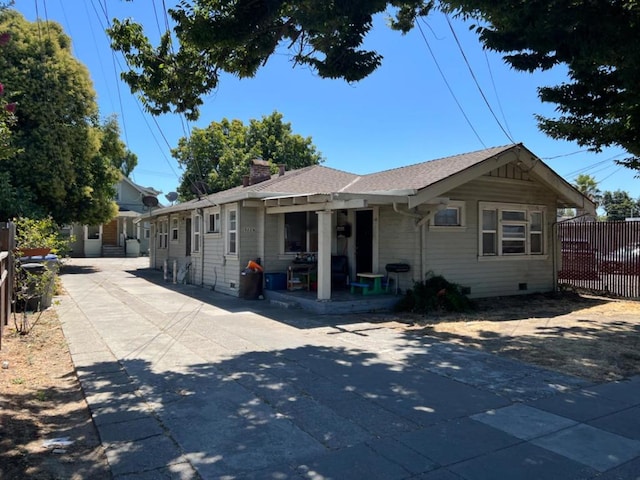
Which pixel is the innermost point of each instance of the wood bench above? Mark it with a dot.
(362, 285)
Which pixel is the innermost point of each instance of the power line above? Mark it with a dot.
(475, 80)
(495, 91)
(444, 78)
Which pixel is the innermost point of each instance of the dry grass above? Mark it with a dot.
(40, 399)
(590, 337)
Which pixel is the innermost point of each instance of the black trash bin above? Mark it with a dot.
(38, 296)
(250, 284)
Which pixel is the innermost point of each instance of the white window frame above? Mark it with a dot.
(501, 236)
(175, 229)
(460, 206)
(87, 228)
(197, 229)
(215, 215)
(232, 231)
(163, 233)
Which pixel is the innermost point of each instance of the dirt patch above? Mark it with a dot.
(40, 400)
(591, 337)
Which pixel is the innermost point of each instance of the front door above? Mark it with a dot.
(364, 240)
(110, 233)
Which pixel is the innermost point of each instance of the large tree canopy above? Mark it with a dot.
(58, 168)
(220, 154)
(599, 105)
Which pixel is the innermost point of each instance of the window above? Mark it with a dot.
(535, 233)
(147, 230)
(511, 230)
(93, 232)
(196, 233)
(174, 229)
(214, 223)
(163, 233)
(232, 232)
(449, 216)
(300, 232)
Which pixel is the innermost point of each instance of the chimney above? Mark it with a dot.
(259, 171)
(281, 169)
(245, 180)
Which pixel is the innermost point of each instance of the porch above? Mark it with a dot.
(342, 301)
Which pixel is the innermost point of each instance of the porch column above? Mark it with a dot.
(325, 234)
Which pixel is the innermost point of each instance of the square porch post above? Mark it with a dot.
(325, 233)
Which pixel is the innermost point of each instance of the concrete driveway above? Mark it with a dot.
(184, 382)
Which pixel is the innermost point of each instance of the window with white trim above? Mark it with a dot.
(213, 223)
(197, 220)
(174, 229)
(449, 216)
(163, 233)
(232, 231)
(511, 230)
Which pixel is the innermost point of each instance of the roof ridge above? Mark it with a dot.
(501, 147)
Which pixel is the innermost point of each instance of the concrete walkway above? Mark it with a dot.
(187, 383)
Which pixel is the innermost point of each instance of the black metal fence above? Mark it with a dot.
(602, 257)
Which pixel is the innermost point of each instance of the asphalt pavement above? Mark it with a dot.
(187, 383)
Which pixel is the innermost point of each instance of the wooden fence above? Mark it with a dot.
(602, 257)
(7, 244)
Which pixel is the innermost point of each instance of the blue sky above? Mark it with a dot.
(404, 113)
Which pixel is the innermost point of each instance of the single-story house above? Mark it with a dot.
(126, 235)
(485, 220)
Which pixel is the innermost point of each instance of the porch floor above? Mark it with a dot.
(342, 301)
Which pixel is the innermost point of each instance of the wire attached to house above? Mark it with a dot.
(444, 78)
(475, 79)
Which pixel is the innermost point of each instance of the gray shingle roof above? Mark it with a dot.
(318, 179)
(423, 174)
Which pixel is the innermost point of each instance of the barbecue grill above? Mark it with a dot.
(396, 268)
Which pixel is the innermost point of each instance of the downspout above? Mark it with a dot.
(201, 240)
(420, 221)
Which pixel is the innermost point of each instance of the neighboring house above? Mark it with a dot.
(485, 220)
(126, 235)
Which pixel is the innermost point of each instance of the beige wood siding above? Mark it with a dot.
(454, 254)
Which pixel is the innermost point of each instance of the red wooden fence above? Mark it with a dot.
(602, 257)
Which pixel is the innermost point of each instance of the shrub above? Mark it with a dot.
(432, 294)
(43, 233)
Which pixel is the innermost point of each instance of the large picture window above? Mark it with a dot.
(300, 232)
(511, 230)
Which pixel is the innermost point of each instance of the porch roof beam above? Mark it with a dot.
(314, 207)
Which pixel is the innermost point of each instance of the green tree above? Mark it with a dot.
(114, 149)
(595, 40)
(588, 186)
(58, 169)
(619, 205)
(220, 154)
